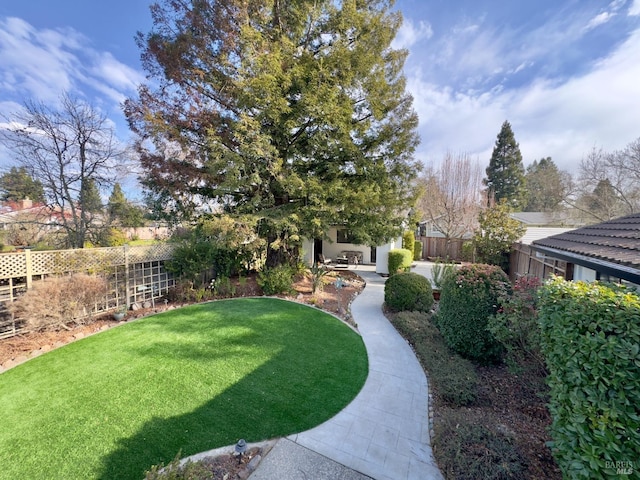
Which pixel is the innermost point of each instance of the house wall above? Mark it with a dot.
(382, 265)
(307, 252)
(583, 273)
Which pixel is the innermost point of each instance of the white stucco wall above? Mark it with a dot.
(583, 273)
(307, 252)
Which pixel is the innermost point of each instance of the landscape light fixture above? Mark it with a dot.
(241, 447)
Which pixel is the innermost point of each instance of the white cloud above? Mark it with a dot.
(634, 9)
(409, 34)
(563, 120)
(599, 19)
(41, 64)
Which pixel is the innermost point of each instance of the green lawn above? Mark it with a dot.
(188, 380)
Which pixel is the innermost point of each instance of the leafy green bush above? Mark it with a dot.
(467, 299)
(408, 291)
(399, 260)
(515, 326)
(417, 251)
(223, 287)
(471, 451)
(591, 343)
(408, 240)
(184, 292)
(468, 251)
(454, 379)
(276, 280)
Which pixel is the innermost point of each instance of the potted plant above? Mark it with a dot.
(439, 273)
(120, 313)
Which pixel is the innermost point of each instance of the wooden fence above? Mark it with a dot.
(134, 275)
(434, 247)
(524, 261)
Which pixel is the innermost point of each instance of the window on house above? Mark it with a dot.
(345, 236)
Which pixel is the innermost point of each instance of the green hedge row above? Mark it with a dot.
(591, 343)
(400, 259)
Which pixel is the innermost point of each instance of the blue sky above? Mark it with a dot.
(565, 73)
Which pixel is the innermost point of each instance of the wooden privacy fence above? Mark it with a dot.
(436, 247)
(524, 261)
(134, 275)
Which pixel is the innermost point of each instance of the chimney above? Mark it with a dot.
(26, 203)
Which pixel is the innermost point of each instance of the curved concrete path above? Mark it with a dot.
(384, 432)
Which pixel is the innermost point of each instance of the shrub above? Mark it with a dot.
(56, 301)
(399, 260)
(223, 287)
(408, 240)
(468, 251)
(276, 280)
(417, 251)
(185, 292)
(515, 326)
(591, 343)
(472, 451)
(408, 291)
(454, 379)
(115, 237)
(199, 260)
(467, 300)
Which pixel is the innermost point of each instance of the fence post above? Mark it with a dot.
(126, 274)
(29, 265)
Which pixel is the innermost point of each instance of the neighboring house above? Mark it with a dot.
(607, 251)
(340, 245)
(543, 224)
(25, 222)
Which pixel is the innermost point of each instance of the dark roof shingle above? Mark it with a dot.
(616, 241)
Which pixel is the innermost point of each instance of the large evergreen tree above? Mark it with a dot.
(122, 212)
(17, 184)
(547, 186)
(293, 114)
(505, 173)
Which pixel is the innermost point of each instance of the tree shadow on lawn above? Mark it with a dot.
(258, 407)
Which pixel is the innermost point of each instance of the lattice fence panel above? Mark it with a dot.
(13, 265)
(134, 274)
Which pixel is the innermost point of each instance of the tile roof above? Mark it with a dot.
(616, 241)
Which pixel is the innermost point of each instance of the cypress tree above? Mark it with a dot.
(505, 173)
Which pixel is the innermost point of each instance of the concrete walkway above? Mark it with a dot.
(384, 432)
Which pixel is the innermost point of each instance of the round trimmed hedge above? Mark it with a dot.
(408, 292)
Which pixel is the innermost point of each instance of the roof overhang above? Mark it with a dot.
(624, 272)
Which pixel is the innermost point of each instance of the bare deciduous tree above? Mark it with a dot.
(66, 149)
(608, 183)
(452, 195)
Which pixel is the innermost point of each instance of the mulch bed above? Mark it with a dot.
(517, 405)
